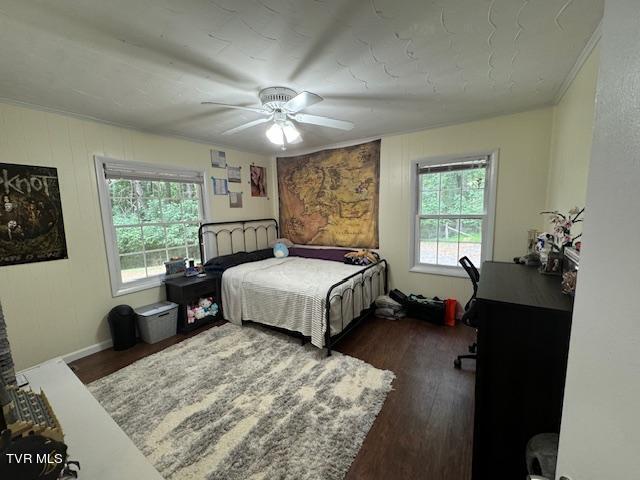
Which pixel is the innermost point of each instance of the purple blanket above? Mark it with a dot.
(333, 254)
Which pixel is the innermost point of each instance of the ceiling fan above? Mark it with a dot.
(283, 106)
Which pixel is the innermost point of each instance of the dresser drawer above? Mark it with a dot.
(200, 290)
(187, 290)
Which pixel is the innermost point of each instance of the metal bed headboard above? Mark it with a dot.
(230, 228)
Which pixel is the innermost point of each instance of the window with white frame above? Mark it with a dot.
(454, 212)
(150, 214)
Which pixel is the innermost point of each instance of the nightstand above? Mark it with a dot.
(188, 290)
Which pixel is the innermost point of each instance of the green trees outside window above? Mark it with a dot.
(451, 210)
(154, 221)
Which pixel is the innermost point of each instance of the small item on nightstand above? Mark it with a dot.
(192, 271)
(175, 267)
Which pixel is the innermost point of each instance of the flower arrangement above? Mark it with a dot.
(562, 225)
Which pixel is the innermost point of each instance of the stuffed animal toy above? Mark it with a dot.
(361, 257)
(280, 250)
(205, 303)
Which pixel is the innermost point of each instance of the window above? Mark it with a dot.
(453, 213)
(150, 214)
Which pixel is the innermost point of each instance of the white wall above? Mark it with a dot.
(523, 142)
(53, 308)
(600, 436)
(571, 138)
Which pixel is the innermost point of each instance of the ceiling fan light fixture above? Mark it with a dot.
(291, 133)
(281, 131)
(282, 105)
(275, 134)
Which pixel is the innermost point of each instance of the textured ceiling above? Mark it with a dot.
(386, 65)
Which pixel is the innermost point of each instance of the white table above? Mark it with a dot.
(94, 439)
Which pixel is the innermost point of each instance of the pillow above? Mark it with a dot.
(221, 263)
(280, 250)
(287, 243)
(258, 255)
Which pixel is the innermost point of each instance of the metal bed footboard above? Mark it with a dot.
(331, 340)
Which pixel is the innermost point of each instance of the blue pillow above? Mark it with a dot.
(280, 250)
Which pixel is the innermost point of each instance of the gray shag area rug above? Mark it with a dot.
(246, 403)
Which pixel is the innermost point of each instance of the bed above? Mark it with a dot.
(300, 294)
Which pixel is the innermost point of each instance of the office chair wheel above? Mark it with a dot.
(457, 363)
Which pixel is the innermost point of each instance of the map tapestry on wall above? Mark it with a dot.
(331, 197)
(31, 226)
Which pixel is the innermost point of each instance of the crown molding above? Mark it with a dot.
(277, 153)
(382, 136)
(157, 133)
(582, 58)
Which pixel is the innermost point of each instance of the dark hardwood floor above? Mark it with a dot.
(425, 428)
(101, 364)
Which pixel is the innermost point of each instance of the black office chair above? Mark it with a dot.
(470, 316)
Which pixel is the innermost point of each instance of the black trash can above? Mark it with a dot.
(122, 322)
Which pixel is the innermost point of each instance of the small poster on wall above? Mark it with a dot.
(31, 225)
(220, 186)
(235, 199)
(258, 181)
(233, 174)
(218, 159)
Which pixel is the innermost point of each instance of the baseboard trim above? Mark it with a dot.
(85, 352)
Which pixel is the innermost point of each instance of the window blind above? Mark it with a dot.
(465, 164)
(137, 171)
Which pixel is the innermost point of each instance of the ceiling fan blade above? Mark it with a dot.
(238, 107)
(246, 125)
(322, 121)
(302, 101)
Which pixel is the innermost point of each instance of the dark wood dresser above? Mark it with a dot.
(523, 343)
(187, 290)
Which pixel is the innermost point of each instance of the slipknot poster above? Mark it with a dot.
(31, 226)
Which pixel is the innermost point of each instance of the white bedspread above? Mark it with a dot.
(291, 293)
